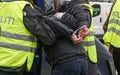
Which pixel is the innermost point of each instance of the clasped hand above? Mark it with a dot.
(79, 34)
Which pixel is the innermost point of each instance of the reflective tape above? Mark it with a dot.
(114, 30)
(91, 43)
(19, 37)
(17, 47)
(91, 33)
(114, 21)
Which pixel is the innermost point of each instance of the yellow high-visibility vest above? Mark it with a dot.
(17, 44)
(89, 41)
(112, 36)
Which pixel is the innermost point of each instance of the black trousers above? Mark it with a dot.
(116, 58)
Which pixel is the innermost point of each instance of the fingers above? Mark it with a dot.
(83, 32)
(75, 39)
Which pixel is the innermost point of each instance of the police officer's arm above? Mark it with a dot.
(34, 22)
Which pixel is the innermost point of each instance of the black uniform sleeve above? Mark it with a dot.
(34, 22)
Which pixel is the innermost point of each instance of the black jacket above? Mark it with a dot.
(63, 48)
(34, 22)
(60, 29)
(76, 15)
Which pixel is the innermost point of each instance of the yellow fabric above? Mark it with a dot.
(91, 50)
(113, 37)
(11, 21)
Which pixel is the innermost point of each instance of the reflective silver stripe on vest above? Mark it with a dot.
(114, 21)
(16, 47)
(114, 30)
(91, 43)
(16, 36)
(91, 33)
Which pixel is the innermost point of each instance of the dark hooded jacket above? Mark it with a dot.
(76, 15)
(64, 49)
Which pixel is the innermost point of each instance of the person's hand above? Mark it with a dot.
(83, 32)
(79, 34)
(75, 39)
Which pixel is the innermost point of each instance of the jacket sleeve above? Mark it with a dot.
(34, 22)
(58, 27)
(69, 20)
(78, 16)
